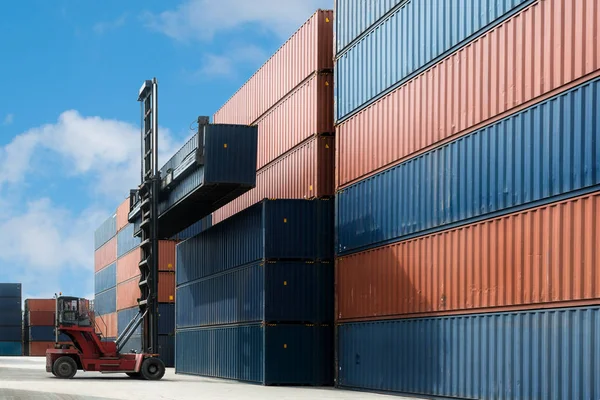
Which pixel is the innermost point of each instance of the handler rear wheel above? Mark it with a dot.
(153, 369)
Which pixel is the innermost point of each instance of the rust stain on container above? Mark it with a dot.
(310, 49)
(523, 261)
(305, 172)
(128, 265)
(107, 325)
(122, 214)
(306, 112)
(546, 46)
(128, 292)
(105, 255)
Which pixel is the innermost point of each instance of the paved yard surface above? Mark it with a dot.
(26, 378)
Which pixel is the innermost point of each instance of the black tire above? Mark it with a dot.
(153, 369)
(134, 375)
(64, 368)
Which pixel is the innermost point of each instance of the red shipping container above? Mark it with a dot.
(306, 172)
(542, 257)
(527, 58)
(128, 292)
(310, 49)
(48, 305)
(127, 266)
(123, 214)
(306, 112)
(105, 255)
(106, 325)
(38, 349)
(42, 318)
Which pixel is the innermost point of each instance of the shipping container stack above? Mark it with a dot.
(468, 203)
(105, 279)
(290, 100)
(255, 296)
(11, 320)
(38, 327)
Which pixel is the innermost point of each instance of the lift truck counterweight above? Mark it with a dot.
(73, 318)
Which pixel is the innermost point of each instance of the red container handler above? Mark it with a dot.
(524, 60)
(306, 172)
(310, 49)
(543, 257)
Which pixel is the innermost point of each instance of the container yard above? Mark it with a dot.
(403, 200)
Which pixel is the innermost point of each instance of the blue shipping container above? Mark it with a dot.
(283, 291)
(10, 290)
(227, 171)
(166, 349)
(544, 354)
(106, 278)
(45, 334)
(11, 333)
(194, 229)
(269, 355)
(11, 349)
(12, 317)
(126, 242)
(542, 154)
(409, 40)
(9, 304)
(106, 302)
(272, 229)
(105, 232)
(166, 319)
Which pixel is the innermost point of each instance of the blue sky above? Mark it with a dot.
(69, 119)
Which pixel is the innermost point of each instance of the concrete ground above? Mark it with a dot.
(26, 378)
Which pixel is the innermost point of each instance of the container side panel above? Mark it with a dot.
(105, 232)
(10, 290)
(105, 255)
(128, 265)
(418, 276)
(397, 127)
(549, 354)
(106, 278)
(530, 158)
(126, 241)
(122, 218)
(106, 302)
(11, 349)
(40, 305)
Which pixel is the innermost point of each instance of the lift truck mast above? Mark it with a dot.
(73, 317)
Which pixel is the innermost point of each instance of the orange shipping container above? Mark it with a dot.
(107, 325)
(123, 214)
(38, 349)
(105, 255)
(128, 292)
(310, 49)
(41, 318)
(547, 256)
(48, 305)
(306, 172)
(306, 112)
(127, 266)
(535, 53)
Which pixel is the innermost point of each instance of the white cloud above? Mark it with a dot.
(103, 27)
(40, 239)
(224, 65)
(202, 19)
(9, 119)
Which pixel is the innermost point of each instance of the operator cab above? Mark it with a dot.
(73, 311)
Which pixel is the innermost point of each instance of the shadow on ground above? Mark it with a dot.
(17, 394)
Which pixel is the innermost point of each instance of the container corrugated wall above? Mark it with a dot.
(306, 112)
(539, 257)
(129, 291)
(544, 354)
(306, 172)
(105, 255)
(194, 229)
(273, 229)
(45, 334)
(106, 278)
(122, 216)
(407, 41)
(543, 152)
(472, 87)
(106, 325)
(9, 349)
(106, 302)
(40, 305)
(282, 291)
(126, 242)
(307, 51)
(128, 265)
(265, 354)
(105, 232)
